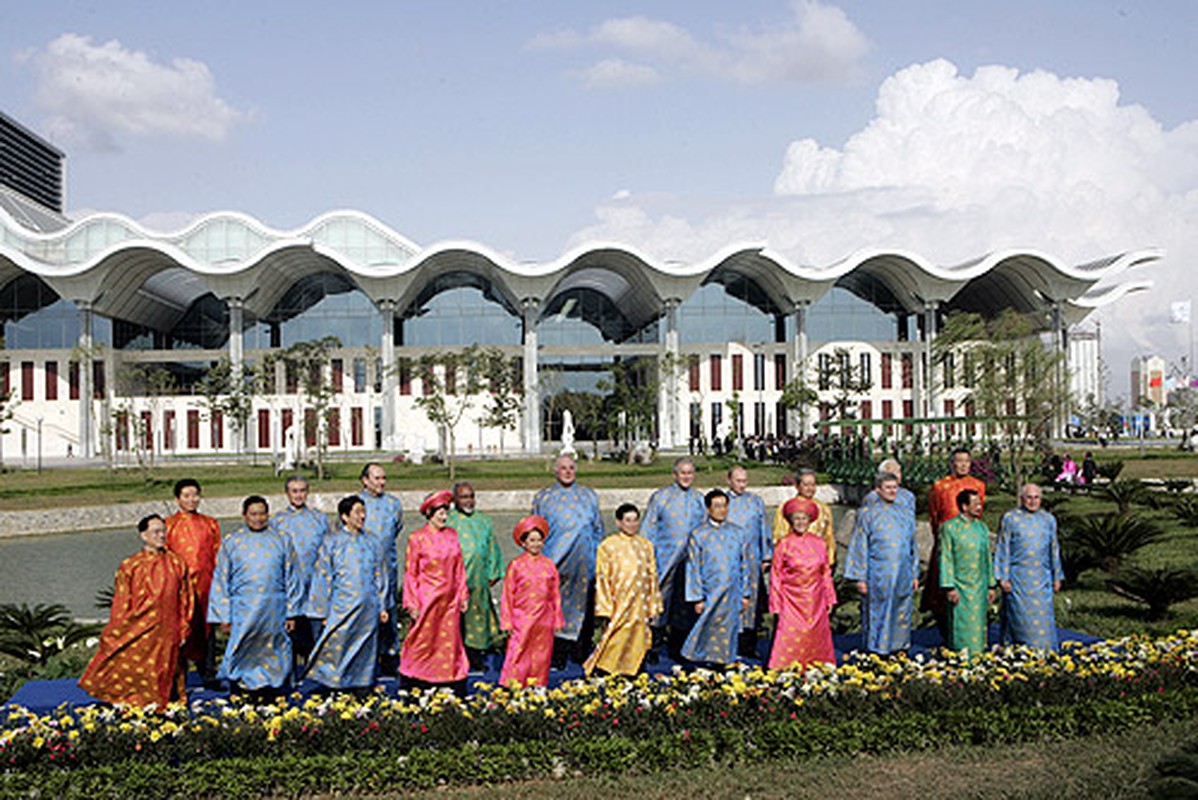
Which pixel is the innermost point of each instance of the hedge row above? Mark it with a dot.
(369, 773)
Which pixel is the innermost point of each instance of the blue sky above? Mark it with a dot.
(676, 127)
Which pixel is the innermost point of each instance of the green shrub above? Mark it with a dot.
(1108, 538)
(1156, 588)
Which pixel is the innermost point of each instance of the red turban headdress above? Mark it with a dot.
(436, 500)
(529, 524)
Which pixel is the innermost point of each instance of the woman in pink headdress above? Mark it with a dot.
(531, 608)
(434, 595)
(801, 592)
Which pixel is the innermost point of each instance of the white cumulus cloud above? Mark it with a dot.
(953, 166)
(615, 73)
(95, 93)
(817, 43)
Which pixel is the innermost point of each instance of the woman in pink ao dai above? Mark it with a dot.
(801, 592)
(531, 608)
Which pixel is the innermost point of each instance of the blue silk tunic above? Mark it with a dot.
(717, 574)
(348, 592)
(575, 531)
(1029, 556)
(882, 552)
(255, 588)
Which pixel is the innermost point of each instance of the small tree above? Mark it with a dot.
(307, 361)
(1009, 375)
(154, 384)
(8, 404)
(631, 401)
(848, 383)
(797, 396)
(505, 394)
(231, 392)
(452, 383)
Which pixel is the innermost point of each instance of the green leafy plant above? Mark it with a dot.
(1157, 588)
(33, 635)
(1186, 510)
(1109, 538)
(1124, 493)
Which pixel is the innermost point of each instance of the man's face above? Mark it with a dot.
(961, 464)
(719, 509)
(297, 494)
(807, 486)
(799, 521)
(256, 517)
(356, 517)
(564, 470)
(684, 475)
(738, 481)
(155, 535)
(1032, 497)
(974, 509)
(189, 498)
(463, 498)
(375, 481)
(888, 491)
(630, 523)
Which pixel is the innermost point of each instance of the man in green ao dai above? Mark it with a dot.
(967, 574)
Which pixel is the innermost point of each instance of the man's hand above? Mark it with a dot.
(953, 596)
(384, 616)
(1006, 587)
(862, 588)
(699, 606)
(226, 628)
(289, 625)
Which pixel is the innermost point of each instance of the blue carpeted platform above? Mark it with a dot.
(43, 696)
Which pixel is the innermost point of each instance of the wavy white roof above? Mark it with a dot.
(125, 270)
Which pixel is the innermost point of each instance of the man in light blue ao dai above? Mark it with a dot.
(575, 531)
(747, 511)
(347, 596)
(305, 529)
(673, 512)
(255, 598)
(884, 561)
(717, 584)
(1027, 566)
(384, 523)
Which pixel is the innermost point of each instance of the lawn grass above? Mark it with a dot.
(27, 489)
(1117, 765)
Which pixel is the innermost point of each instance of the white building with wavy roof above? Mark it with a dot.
(85, 301)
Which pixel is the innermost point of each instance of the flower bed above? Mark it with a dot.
(602, 725)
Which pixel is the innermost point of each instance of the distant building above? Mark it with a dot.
(86, 307)
(1148, 381)
(1085, 366)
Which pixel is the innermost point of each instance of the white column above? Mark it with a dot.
(530, 308)
(87, 438)
(236, 335)
(390, 379)
(1061, 338)
(929, 339)
(667, 392)
(799, 353)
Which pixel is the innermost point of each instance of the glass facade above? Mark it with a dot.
(451, 314)
(841, 314)
(320, 305)
(725, 313)
(580, 316)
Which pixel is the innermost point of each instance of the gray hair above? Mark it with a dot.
(884, 477)
(294, 479)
